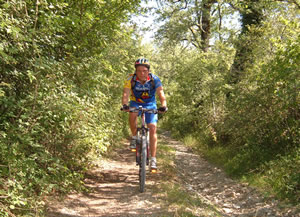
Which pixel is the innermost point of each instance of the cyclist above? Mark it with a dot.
(141, 87)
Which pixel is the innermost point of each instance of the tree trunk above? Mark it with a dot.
(206, 24)
(252, 15)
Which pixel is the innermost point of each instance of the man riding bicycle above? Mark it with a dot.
(141, 87)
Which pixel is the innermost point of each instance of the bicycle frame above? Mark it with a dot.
(142, 146)
(142, 131)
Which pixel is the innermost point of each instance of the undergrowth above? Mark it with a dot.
(273, 173)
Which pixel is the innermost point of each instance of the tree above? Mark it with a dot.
(251, 13)
(58, 93)
(187, 22)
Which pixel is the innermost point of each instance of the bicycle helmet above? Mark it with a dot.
(142, 62)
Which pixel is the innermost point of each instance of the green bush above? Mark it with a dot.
(253, 129)
(61, 80)
(283, 176)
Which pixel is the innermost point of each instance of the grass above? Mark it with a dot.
(274, 176)
(217, 155)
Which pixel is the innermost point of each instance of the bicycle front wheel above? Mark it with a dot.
(142, 172)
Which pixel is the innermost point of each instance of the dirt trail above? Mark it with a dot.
(116, 193)
(231, 198)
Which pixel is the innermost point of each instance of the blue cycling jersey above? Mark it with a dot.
(143, 93)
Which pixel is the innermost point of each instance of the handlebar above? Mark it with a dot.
(141, 109)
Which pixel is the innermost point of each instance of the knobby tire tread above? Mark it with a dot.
(142, 171)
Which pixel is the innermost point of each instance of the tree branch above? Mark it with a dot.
(36, 13)
(25, 7)
(291, 2)
(220, 20)
(195, 45)
(296, 3)
(195, 37)
(7, 210)
(234, 7)
(97, 22)
(186, 3)
(81, 13)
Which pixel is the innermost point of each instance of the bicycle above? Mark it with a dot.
(142, 145)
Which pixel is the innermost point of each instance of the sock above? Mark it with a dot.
(153, 158)
(133, 137)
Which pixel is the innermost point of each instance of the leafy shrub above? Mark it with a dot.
(257, 127)
(60, 87)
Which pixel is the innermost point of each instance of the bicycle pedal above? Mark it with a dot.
(153, 170)
(133, 150)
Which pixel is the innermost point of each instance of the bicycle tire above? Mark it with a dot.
(138, 148)
(142, 171)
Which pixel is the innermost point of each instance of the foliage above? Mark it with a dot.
(62, 69)
(193, 23)
(197, 98)
(255, 128)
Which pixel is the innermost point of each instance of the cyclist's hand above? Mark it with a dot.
(125, 107)
(163, 109)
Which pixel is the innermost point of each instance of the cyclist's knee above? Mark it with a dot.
(152, 128)
(133, 117)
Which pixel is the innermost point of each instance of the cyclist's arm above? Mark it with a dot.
(125, 97)
(161, 95)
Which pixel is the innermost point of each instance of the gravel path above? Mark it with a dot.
(115, 190)
(230, 197)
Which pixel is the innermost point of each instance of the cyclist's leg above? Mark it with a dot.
(133, 118)
(151, 120)
(153, 146)
(133, 122)
(153, 138)
(133, 125)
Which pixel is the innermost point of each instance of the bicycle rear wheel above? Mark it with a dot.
(142, 171)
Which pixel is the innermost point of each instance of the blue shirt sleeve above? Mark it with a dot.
(157, 81)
